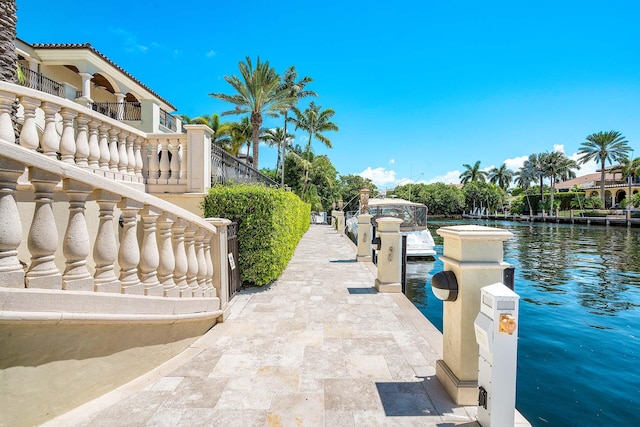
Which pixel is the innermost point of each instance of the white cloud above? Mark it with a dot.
(392, 161)
(211, 54)
(559, 148)
(585, 169)
(379, 176)
(129, 40)
(451, 177)
(516, 163)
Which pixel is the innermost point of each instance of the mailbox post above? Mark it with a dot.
(496, 328)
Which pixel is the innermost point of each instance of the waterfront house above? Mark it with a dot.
(616, 185)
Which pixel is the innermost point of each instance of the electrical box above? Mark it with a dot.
(496, 329)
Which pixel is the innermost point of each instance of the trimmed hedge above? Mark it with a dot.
(270, 224)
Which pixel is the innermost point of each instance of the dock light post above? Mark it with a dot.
(474, 254)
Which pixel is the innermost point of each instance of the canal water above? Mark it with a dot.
(579, 329)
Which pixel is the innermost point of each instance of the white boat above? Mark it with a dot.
(414, 223)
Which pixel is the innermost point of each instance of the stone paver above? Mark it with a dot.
(318, 347)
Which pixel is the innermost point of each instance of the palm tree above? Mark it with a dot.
(535, 164)
(557, 166)
(314, 121)
(501, 176)
(472, 173)
(604, 146)
(221, 136)
(524, 177)
(8, 55)
(296, 92)
(629, 168)
(278, 138)
(259, 92)
(240, 134)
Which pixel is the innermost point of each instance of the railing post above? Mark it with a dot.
(114, 158)
(164, 160)
(50, 142)
(340, 221)
(192, 260)
(105, 248)
(131, 157)
(209, 264)
(76, 245)
(199, 158)
(103, 144)
(149, 254)
(202, 266)
(475, 255)
(29, 133)
(6, 124)
(389, 256)
(123, 159)
(174, 166)
(82, 142)
(68, 140)
(129, 253)
(154, 162)
(220, 261)
(182, 264)
(139, 163)
(43, 235)
(364, 237)
(167, 257)
(11, 271)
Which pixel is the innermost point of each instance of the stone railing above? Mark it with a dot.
(227, 169)
(172, 259)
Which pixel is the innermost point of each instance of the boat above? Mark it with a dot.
(414, 223)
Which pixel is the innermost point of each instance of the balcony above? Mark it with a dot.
(130, 111)
(37, 81)
(227, 169)
(168, 121)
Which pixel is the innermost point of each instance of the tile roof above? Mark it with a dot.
(97, 52)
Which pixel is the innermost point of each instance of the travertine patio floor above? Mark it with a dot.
(318, 347)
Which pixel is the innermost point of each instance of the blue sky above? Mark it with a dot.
(419, 87)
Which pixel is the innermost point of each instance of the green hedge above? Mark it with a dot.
(270, 224)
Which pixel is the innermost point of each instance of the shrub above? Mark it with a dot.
(270, 225)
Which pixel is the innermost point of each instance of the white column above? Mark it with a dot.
(202, 266)
(104, 147)
(82, 141)
(174, 167)
(389, 255)
(364, 237)
(43, 235)
(192, 260)
(198, 158)
(11, 271)
(139, 164)
(123, 159)
(94, 145)
(120, 100)
(131, 159)
(154, 163)
(76, 244)
(114, 158)
(129, 253)
(149, 254)
(86, 85)
(220, 262)
(50, 142)
(209, 263)
(105, 249)
(29, 133)
(182, 264)
(68, 140)
(164, 160)
(167, 257)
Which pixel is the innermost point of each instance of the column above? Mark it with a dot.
(68, 140)
(220, 262)
(114, 158)
(131, 159)
(120, 100)
(129, 253)
(340, 222)
(209, 263)
(475, 255)
(94, 145)
(192, 260)
(123, 159)
(389, 255)
(149, 256)
(167, 257)
(86, 85)
(104, 146)
(105, 248)
(364, 238)
(76, 244)
(43, 235)
(50, 142)
(154, 163)
(11, 271)
(202, 266)
(29, 133)
(139, 164)
(164, 161)
(182, 264)
(82, 141)
(174, 166)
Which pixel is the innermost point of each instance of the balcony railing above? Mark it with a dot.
(167, 120)
(227, 169)
(131, 111)
(35, 80)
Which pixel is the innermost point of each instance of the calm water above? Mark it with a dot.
(579, 330)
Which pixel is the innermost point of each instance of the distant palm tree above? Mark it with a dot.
(630, 169)
(221, 135)
(604, 146)
(240, 134)
(535, 165)
(314, 121)
(473, 173)
(276, 137)
(501, 176)
(556, 166)
(296, 92)
(258, 92)
(8, 55)
(524, 177)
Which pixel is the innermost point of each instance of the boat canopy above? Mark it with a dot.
(413, 215)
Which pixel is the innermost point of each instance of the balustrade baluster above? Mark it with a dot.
(154, 163)
(192, 260)
(105, 248)
(129, 253)
(43, 235)
(175, 162)
(182, 264)
(209, 262)
(184, 173)
(164, 160)
(50, 142)
(123, 159)
(6, 124)
(104, 147)
(94, 145)
(29, 133)
(11, 271)
(138, 158)
(114, 158)
(131, 159)
(82, 141)
(68, 140)
(76, 244)
(202, 266)
(149, 255)
(167, 258)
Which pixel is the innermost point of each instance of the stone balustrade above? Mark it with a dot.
(154, 248)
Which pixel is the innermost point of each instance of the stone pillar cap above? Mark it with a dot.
(389, 224)
(474, 232)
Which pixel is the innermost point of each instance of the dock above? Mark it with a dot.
(318, 347)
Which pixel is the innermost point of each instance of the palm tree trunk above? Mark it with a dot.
(256, 122)
(8, 55)
(604, 203)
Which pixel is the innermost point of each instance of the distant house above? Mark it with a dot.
(616, 186)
